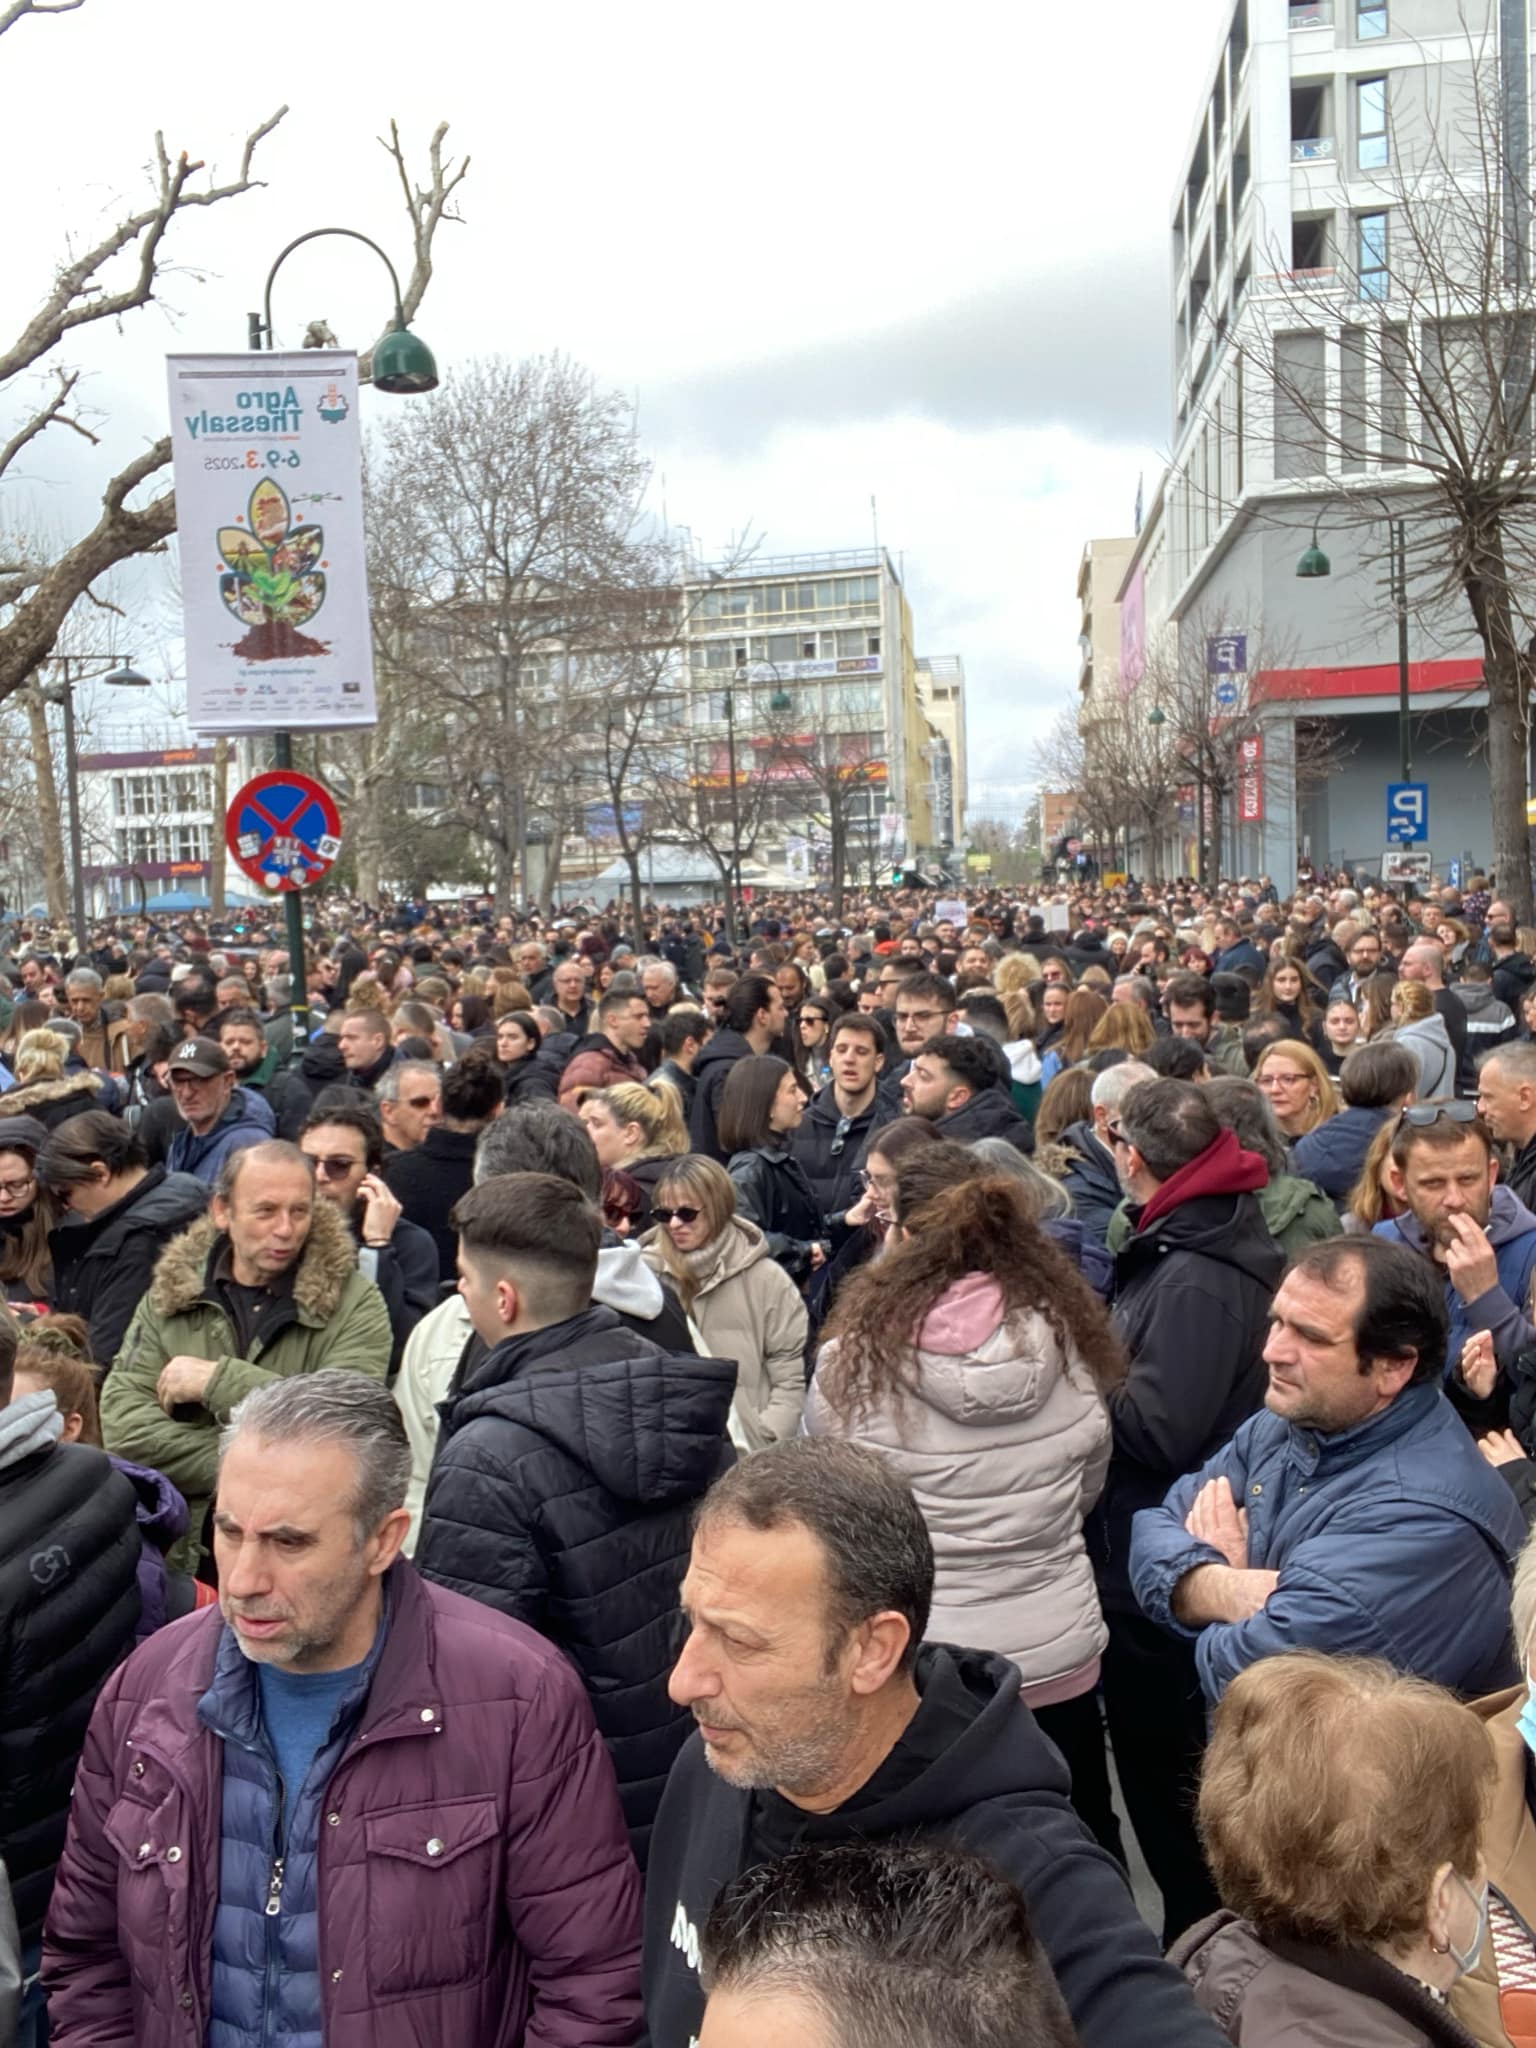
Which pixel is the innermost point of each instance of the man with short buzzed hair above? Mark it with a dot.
(1425, 961)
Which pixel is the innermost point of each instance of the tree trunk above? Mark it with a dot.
(551, 876)
(838, 827)
(50, 829)
(1505, 673)
(218, 854)
(636, 889)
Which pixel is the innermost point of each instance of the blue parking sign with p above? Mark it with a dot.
(1407, 813)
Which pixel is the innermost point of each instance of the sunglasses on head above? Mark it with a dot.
(676, 1215)
(1422, 1114)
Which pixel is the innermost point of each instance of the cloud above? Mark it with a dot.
(1062, 350)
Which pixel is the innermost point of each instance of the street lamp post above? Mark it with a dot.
(1314, 563)
(122, 676)
(403, 365)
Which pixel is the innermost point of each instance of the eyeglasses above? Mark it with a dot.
(420, 1101)
(333, 1167)
(1115, 1135)
(917, 1016)
(676, 1215)
(877, 1183)
(1423, 1114)
(840, 1137)
(17, 1190)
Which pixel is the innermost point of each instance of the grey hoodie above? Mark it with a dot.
(31, 1423)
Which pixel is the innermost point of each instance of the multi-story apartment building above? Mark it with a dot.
(146, 824)
(815, 654)
(1293, 304)
(941, 691)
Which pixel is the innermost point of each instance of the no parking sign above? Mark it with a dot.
(283, 830)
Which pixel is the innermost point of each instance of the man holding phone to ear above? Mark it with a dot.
(344, 1141)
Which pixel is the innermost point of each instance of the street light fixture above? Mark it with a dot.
(402, 365)
(1314, 563)
(124, 676)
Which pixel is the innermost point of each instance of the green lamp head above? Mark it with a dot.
(402, 363)
(781, 701)
(1157, 715)
(1314, 562)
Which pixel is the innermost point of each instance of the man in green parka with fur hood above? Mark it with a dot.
(263, 1287)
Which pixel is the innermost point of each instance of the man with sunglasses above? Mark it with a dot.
(1483, 1238)
(344, 1142)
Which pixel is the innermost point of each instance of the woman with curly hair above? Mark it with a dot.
(977, 1359)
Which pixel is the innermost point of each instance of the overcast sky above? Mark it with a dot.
(834, 251)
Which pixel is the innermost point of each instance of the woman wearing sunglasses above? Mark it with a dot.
(741, 1303)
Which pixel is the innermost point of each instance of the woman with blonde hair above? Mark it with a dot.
(1295, 1084)
(1079, 1021)
(636, 1128)
(43, 1089)
(1126, 1027)
(1342, 1809)
(740, 1301)
(1418, 1025)
(1015, 973)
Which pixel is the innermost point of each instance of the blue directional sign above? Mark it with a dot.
(1226, 694)
(1407, 813)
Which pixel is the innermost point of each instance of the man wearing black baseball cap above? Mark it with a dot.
(218, 1117)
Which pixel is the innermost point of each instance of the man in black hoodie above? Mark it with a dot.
(569, 1465)
(823, 1717)
(1193, 1286)
(954, 1083)
(753, 1016)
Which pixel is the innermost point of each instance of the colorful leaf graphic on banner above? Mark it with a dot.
(273, 578)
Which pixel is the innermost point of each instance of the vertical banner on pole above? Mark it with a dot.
(1250, 779)
(269, 509)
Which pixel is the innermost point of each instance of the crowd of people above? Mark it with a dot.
(578, 1484)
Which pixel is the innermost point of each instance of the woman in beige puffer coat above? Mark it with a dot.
(976, 1358)
(741, 1302)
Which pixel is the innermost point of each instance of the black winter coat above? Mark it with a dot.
(710, 1070)
(1192, 1296)
(1512, 978)
(830, 1155)
(69, 1604)
(427, 1180)
(567, 1472)
(1090, 1179)
(527, 1081)
(405, 1271)
(989, 1114)
(102, 1268)
(773, 1192)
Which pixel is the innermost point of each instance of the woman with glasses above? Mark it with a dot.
(1295, 1084)
(741, 1303)
(26, 1271)
(760, 1110)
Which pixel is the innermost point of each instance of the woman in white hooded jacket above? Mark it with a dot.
(977, 1358)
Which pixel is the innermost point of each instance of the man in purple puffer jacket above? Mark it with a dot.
(349, 1807)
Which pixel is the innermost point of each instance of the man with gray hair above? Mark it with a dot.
(1506, 1102)
(1089, 1175)
(98, 1046)
(409, 1099)
(385, 1797)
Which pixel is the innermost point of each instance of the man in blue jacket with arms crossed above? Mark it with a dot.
(1354, 1514)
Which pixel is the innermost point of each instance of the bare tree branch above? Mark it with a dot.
(77, 299)
(18, 8)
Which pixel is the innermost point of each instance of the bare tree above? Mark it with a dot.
(835, 765)
(1406, 372)
(116, 275)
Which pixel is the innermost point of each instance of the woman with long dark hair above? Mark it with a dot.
(977, 1359)
(1291, 994)
(760, 1107)
(1083, 1012)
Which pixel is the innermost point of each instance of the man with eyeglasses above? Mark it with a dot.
(925, 1008)
(218, 1118)
(833, 1135)
(1481, 1236)
(344, 1142)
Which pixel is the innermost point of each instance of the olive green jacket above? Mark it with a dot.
(1295, 1214)
(334, 1318)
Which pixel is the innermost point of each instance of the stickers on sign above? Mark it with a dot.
(283, 830)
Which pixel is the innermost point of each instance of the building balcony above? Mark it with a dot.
(1312, 149)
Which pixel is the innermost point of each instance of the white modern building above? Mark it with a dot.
(1316, 122)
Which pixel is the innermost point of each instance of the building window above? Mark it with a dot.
(1371, 255)
(1371, 124)
(1370, 20)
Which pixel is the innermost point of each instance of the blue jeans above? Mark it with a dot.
(32, 2030)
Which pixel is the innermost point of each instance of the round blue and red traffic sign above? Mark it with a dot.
(283, 830)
